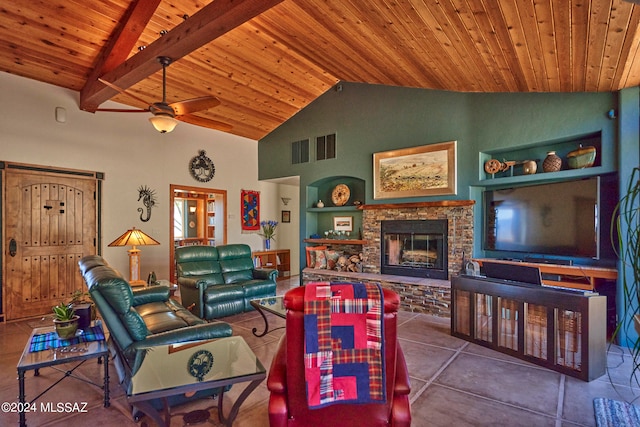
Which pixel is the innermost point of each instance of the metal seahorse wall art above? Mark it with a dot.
(148, 197)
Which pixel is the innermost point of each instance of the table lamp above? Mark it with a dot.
(134, 237)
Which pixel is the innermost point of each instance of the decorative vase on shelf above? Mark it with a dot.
(320, 204)
(268, 232)
(552, 163)
(583, 157)
(529, 167)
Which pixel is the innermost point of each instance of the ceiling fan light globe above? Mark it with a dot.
(163, 122)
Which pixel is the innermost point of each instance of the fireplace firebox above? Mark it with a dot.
(416, 248)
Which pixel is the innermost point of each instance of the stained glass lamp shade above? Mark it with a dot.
(133, 238)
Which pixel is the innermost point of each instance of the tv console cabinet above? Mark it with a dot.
(569, 276)
(563, 330)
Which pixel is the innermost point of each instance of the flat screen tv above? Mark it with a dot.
(569, 219)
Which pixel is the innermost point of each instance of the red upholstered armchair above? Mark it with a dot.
(286, 380)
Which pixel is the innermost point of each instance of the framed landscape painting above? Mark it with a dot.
(343, 223)
(428, 170)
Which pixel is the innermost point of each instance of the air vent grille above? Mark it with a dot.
(300, 151)
(326, 147)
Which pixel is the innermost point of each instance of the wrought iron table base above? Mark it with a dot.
(266, 324)
(104, 359)
(146, 406)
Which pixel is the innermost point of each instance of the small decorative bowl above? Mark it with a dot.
(583, 157)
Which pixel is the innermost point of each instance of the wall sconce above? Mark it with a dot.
(192, 209)
(285, 200)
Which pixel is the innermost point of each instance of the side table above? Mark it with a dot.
(51, 357)
(185, 368)
(273, 305)
(172, 287)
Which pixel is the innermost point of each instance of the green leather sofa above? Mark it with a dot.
(140, 319)
(218, 281)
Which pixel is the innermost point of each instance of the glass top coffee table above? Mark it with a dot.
(273, 305)
(186, 368)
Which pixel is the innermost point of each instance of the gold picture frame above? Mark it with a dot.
(428, 170)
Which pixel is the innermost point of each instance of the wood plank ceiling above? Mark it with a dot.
(266, 69)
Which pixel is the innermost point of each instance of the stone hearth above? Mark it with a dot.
(429, 296)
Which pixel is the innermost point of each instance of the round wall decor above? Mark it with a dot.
(340, 195)
(201, 167)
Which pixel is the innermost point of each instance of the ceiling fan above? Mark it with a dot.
(165, 116)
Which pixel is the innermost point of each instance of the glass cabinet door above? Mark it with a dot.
(484, 317)
(535, 329)
(568, 339)
(462, 321)
(508, 323)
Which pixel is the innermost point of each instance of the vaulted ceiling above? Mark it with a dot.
(267, 59)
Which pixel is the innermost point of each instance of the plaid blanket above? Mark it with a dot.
(50, 340)
(344, 348)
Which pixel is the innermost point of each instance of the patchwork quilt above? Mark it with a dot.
(344, 348)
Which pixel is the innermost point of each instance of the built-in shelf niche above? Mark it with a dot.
(320, 219)
(537, 152)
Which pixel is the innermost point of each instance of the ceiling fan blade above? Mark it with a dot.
(121, 110)
(122, 91)
(207, 123)
(194, 105)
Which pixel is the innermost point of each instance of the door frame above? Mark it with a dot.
(173, 188)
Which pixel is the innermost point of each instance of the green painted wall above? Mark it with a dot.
(366, 119)
(629, 157)
(373, 118)
(504, 120)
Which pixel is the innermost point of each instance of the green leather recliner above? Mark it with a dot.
(219, 281)
(141, 319)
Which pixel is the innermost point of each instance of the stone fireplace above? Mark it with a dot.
(415, 248)
(421, 293)
(455, 216)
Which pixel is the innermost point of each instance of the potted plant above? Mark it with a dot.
(80, 297)
(626, 240)
(65, 320)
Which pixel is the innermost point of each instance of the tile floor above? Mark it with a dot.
(453, 382)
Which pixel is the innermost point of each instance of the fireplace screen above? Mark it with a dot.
(414, 248)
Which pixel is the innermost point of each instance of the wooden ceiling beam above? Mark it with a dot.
(119, 46)
(116, 51)
(214, 20)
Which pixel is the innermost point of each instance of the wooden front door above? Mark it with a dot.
(50, 223)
